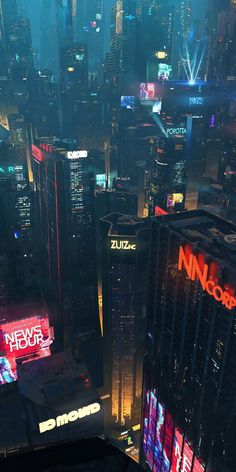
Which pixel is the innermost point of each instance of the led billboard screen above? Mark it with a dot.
(128, 102)
(164, 446)
(147, 91)
(157, 107)
(174, 198)
(26, 340)
(164, 71)
(196, 101)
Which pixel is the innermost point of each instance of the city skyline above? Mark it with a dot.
(118, 231)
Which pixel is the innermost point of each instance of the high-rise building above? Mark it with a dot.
(89, 20)
(167, 174)
(124, 286)
(181, 30)
(121, 61)
(65, 235)
(189, 367)
(74, 89)
(43, 110)
(155, 37)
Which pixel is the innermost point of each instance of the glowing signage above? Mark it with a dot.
(164, 71)
(176, 131)
(10, 169)
(37, 153)
(147, 91)
(159, 211)
(192, 267)
(196, 101)
(163, 444)
(157, 107)
(161, 54)
(122, 245)
(128, 101)
(77, 154)
(174, 198)
(66, 418)
(21, 339)
(27, 339)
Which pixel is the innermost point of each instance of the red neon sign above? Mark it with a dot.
(27, 339)
(159, 211)
(37, 153)
(196, 268)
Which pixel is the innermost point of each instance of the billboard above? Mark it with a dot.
(159, 211)
(27, 339)
(37, 153)
(196, 101)
(164, 71)
(174, 198)
(164, 446)
(147, 91)
(157, 107)
(128, 102)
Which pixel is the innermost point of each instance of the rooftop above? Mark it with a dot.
(209, 232)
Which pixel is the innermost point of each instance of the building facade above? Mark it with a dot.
(189, 370)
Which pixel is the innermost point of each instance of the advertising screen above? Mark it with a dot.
(151, 429)
(163, 444)
(128, 102)
(147, 91)
(145, 427)
(157, 107)
(101, 180)
(164, 71)
(196, 101)
(177, 451)
(159, 211)
(174, 198)
(27, 340)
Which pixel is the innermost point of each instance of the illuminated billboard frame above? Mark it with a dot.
(164, 71)
(174, 198)
(128, 102)
(147, 91)
(27, 339)
(164, 445)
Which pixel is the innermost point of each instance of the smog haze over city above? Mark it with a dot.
(118, 235)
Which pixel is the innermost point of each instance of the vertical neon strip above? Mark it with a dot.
(48, 228)
(40, 193)
(58, 239)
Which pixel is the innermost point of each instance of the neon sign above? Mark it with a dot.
(21, 339)
(176, 131)
(37, 153)
(9, 169)
(77, 154)
(27, 339)
(194, 271)
(69, 417)
(123, 245)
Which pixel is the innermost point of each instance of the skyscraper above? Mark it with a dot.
(66, 246)
(167, 174)
(181, 30)
(121, 61)
(124, 276)
(189, 373)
